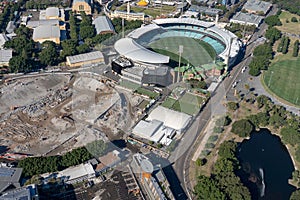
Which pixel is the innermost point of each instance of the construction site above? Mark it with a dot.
(51, 114)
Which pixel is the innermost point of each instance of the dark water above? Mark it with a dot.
(266, 166)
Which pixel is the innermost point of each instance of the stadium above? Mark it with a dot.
(202, 44)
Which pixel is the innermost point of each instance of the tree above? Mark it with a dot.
(232, 105)
(207, 189)
(273, 34)
(285, 46)
(227, 149)
(242, 128)
(290, 135)
(294, 19)
(68, 48)
(197, 84)
(262, 100)
(48, 56)
(83, 48)
(17, 64)
(254, 70)
(223, 121)
(218, 129)
(273, 20)
(295, 195)
(87, 32)
(296, 48)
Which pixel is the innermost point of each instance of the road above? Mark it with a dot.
(182, 154)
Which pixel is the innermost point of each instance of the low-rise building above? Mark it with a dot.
(247, 19)
(34, 24)
(11, 26)
(154, 131)
(3, 39)
(257, 6)
(52, 13)
(77, 174)
(82, 6)
(103, 25)
(46, 33)
(85, 59)
(170, 118)
(108, 161)
(195, 10)
(9, 177)
(5, 56)
(127, 15)
(29, 192)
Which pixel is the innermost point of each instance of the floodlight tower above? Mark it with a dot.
(180, 52)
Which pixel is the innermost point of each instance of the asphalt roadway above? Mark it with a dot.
(180, 158)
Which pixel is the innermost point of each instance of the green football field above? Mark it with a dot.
(283, 79)
(195, 52)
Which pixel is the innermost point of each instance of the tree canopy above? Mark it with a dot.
(273, 20)
(207, 188)
(242, 128)
(49, 56)
(223, 183)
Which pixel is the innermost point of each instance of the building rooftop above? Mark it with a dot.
(147, 129)
(3, 39)
(34, 24)
(87, 1)
(110, 158)
(46, 32)
(78, 171)
(171, 118)
(206, 10)
(5, 55)
(85, 57)
(26, 193)
(247, 18)
(9, 176)
(10, 27)
(52, 12)
(103, 24)
(257, 6)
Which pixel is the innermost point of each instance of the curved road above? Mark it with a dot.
(182, 154)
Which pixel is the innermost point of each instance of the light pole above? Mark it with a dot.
(270, 78)
(180, 52)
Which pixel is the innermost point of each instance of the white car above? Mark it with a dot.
(234, 84)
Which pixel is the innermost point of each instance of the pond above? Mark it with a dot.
(266, 166)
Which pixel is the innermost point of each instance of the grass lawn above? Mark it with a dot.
(188, 103)
(282, 78)
(291, 27)
(146, 92)
(193, 51)
(129, 85)
(280, 56)
(169, 102)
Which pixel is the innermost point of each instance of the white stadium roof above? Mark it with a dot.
(132, 50)
(170, 118)
(141, 31)
(226, 37)
(183, 21)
